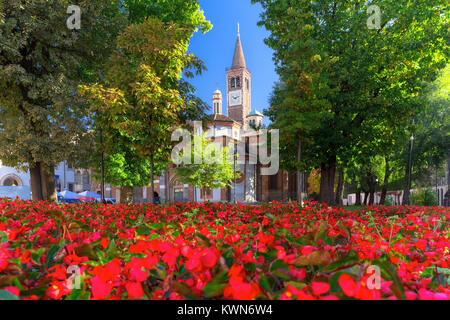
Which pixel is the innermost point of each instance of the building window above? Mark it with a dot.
(247, 84)
(71, 187)
(69, 166)
(233, 82)
(238, 82)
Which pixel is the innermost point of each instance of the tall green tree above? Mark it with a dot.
(354, 82)
(186, 15)
(42, 62)
(141, 101)
(431, 131)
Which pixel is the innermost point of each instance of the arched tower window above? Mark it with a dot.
(233, 82)
(238, 82)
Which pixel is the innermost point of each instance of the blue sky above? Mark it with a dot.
(216, 49)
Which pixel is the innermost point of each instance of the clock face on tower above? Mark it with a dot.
(235, 98)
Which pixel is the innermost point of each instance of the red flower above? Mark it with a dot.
(104, 243)
(100, 288)
(209, 258)
(4, 256)
(134, 290)
(58, 289)
(237, 272)
(347, 284)
(239, 290)
(320, 288)
(149, 262)
(26, 257)
(139, 274)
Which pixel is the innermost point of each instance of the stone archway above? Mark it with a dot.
(10, 180)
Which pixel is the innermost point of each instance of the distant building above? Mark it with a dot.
(66, 177)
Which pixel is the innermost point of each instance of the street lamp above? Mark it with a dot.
(410, 169)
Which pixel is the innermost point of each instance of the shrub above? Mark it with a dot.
(424, 197)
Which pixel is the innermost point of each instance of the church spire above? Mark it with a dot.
(238, 58)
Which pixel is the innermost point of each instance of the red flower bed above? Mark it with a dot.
(219, 251)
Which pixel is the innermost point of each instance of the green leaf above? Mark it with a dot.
(5, 295)
(279, 264)
(143, 231)
(389, 272)
(36, 291)
(85, 250)
(264, 282)
(213, 289)
(3, 237)
(184, 290)
(250, 267)
(350, 258)
(51, 255)
(155, 226)
(75, 294)
(202, 237)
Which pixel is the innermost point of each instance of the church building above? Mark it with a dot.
(240, 122)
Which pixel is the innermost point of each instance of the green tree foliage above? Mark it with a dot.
(140, 103)
(42, 120)
(424, 197)
(188, 16)
(431, 130)
(215, 173)
(186, 13)
(346, 90)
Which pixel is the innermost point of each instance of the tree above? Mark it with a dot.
(431, 132)
(142, 103)
(356, 83)
(186, 15)
(42, 120)
(216, 169)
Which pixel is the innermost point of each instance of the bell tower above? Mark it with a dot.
(239, 86)
(217, 102)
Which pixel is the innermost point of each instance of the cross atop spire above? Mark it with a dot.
(238, 58)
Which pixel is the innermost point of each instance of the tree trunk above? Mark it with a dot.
(340, 188)
(358, 197)
(366, 197)
(328, 172)
(387, 174)
(35, 182)
(48, 183)
(406, 191)
(126, 195)
(299, 173)
(42, 183)
(371, 195)
(152, 165)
